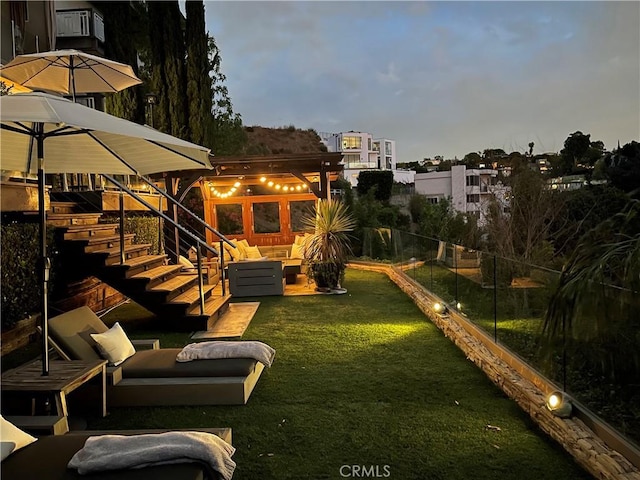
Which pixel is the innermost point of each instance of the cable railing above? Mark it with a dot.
(200, 244)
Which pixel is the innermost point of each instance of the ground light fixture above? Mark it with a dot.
(440, 308)
(559, 404)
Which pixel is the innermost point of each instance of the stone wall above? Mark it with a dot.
(577, 439)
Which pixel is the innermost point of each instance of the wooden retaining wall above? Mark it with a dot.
(587, 448)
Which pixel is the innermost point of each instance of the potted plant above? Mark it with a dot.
(327, 248)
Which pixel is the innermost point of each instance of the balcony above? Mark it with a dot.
(81, 29)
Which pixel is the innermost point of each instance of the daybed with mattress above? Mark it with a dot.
(48, 458)
(153, 377)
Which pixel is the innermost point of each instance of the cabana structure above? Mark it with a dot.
(260, 198)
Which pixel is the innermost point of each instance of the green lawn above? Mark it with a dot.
(361, 379)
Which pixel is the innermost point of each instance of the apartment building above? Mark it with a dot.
(362, 152)
(469, 190)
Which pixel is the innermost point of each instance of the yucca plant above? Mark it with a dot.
(329, 246)
(597, 298)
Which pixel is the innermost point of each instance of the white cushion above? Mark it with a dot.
(12, 438)
(297, 251)
(236, 253)
(114, 345)
(253, 253)
(185, 262)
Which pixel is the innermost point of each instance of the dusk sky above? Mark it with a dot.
(439, 78)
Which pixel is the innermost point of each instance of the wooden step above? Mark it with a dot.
(72, 232)
(157, 276)
(140, 264)
(63, 207)
(192, 296)
(174, 287)
(64, 219)
(112, 255)
(102, 242)
(214, 307)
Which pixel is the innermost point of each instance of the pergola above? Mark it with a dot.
(298, 178)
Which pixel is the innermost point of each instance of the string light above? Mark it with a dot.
(236, 186)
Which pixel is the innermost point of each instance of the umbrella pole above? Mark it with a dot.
(73, 79)
(44, 261)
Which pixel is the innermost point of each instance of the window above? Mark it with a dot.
(473, 198)
(298, 211)
(376, 146)
(388, 163)
(432, 200)
(230, 219)
(351, 160)
(473, 180)
(351, 143)
(266, 217)
(387, 148)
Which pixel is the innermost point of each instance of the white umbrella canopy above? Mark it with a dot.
(78, 139)
(70, 72)
(38, 129)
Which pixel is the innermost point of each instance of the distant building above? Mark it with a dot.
(469, 190)
(362, 152)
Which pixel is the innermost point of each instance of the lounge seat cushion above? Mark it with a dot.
(48, 458)
(162, 364)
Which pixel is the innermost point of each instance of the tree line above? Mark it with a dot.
(180, 65)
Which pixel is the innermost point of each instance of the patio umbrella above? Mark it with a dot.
(38, 127)
(70, 72)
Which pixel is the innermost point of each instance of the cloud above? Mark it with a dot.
(440, 78)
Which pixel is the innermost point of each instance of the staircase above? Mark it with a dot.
(89, 248)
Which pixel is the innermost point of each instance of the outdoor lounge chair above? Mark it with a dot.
(153, 377)
(47, 459)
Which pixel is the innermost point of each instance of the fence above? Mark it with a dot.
(508, 299)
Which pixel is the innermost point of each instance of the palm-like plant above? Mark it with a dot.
(328, 248)
(597, 299)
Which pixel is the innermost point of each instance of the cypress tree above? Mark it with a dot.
(227, 136)
(167, 67)
(123, 33)
(198, 79)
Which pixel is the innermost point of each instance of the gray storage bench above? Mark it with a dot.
(256, 278)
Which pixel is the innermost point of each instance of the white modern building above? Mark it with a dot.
(362, 152)
(469, 190)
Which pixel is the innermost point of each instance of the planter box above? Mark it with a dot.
(23, 333)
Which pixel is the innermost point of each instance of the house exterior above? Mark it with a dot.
(469, 190)
(362, 152)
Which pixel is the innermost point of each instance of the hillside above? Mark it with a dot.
(270, 141)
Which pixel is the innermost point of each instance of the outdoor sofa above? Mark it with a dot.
(153, 377)
(48, 457)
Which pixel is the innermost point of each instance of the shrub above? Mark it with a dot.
(21, 289)
(144, 227)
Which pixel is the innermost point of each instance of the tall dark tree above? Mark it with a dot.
(227, 135)
(198, 80)
(167, 57)
(623, 168)
(125, 29)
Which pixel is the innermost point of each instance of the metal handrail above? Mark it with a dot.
(189, 212)
(194, 237)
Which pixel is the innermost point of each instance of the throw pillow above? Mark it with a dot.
(185, 262)
(253, 253)
(297, 251)
(233, 252)
(12, 438)
(114, 345)
(241, 250)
